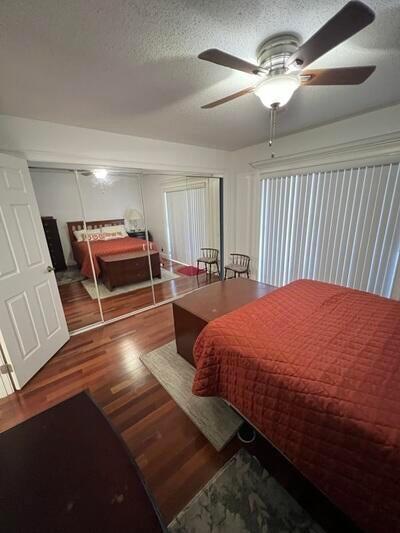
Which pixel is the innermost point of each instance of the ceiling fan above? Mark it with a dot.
(281, 61)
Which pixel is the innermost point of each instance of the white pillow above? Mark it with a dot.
(80, 234)
(115, 229)
(111, 236)
(96, 237)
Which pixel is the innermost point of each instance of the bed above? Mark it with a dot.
(316, 369)
(101, 248)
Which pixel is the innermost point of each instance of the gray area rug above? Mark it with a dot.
(89, 285)
(213, 417)
(243, 498)
(71, 275)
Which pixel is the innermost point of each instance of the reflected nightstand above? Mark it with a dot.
(140, 234)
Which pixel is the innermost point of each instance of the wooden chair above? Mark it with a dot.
(209, 257)
(240, 265)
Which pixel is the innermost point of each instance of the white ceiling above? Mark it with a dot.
(130, 66)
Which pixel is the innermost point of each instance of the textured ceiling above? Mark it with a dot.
(130, 66)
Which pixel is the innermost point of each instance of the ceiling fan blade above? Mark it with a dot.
(228, 98)
(347, 22)
(336, 76)
(227, 60)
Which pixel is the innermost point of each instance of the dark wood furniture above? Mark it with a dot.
(209, 257)
(66, 469)
(122, 269)
(140, 234)
(78, 225)
(54, 243)
(239, 265)
(193, 312)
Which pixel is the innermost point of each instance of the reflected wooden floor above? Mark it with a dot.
(174, 457)
(80, 310)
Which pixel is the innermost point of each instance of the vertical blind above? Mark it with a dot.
(186, 223)
(339, 226)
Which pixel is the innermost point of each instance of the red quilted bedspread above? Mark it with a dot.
(316, 368)
(111, 247)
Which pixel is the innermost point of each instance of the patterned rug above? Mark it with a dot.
(243, 498)
(90, 287)
(190, 271)
(71, 275)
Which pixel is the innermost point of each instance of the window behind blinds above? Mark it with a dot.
(339, 226)
(186, 223)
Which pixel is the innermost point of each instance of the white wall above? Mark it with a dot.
(366, 126)
(57, 196)
(154, 207)
(44, 141)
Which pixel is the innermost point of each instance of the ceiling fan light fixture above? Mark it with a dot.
(277, 90)
(100, 173)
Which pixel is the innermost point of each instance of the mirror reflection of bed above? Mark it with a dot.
(121, 263)
(143, 237)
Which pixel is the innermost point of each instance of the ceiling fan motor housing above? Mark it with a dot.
(273, 53)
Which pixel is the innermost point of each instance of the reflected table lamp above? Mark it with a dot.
(133, 216)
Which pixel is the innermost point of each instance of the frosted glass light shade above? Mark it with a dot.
(100, 173)
(278, 89)
(133, 214)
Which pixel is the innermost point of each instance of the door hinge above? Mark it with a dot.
(6, 369)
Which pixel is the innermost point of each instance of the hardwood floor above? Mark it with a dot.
(80, 310)
(174, 457)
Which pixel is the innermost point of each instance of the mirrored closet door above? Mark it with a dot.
(60, 206)
(123, 254)
(183, 216)
(121, 241)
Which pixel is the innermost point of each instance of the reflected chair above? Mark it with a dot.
(209, 256)
(240, 264)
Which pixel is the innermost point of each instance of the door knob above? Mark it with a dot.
(50, 269)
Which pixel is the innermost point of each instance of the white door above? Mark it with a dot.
(32, 322)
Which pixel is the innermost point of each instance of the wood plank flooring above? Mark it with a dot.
(175, 458)
(80, 310)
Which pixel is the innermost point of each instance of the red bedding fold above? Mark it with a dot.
(111, 247)
(316, 368)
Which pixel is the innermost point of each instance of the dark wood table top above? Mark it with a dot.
(222, 297)
(113, 258)
(66, 470)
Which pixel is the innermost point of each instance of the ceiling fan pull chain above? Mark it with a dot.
(272, 126)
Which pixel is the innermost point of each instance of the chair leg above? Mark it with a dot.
(248, 274)
(219, 275)
(226, 270)
(198, 267)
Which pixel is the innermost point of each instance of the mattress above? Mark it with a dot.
(110, 247)
(316, 368)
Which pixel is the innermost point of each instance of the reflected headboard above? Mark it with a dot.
(92, 224)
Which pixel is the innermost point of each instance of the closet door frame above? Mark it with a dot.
(140, 173)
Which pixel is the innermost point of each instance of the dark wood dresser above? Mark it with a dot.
(54, 243)
(140, 234)
(67, 470)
